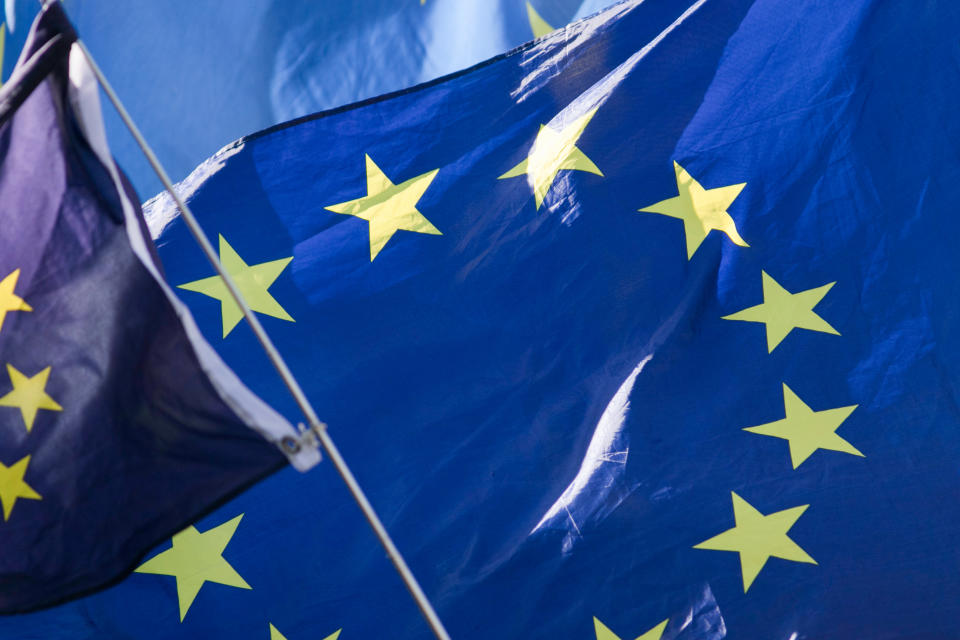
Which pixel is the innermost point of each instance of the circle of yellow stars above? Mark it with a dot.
(390, 208)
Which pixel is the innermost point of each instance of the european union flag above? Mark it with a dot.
(645, 330)
(118, 422)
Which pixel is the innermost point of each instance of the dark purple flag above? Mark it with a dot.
(118, 423)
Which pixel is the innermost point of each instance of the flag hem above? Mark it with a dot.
(254, 412)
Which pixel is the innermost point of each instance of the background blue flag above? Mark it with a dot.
(643, 330)
(198, 75)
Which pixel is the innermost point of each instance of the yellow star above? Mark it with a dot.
(783, 311)
(29, 395)
(9, 301)
(538, 25)
(553, 151)
(12, 485)
(276, 635)
(757, 538)
(604, 633)
(807, 430)
(389, 207)
(252, 281)
(702, 210)
(196, 558)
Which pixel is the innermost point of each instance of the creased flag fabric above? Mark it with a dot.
(645, 330)
(119, 424)
(197, 75)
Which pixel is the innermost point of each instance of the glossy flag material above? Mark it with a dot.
(197, 75)
(118, 422)
(643, 330)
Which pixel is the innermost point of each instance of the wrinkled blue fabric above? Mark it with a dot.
(546, 404)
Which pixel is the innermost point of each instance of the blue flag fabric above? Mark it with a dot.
(644, 330)
(198, 75)
(118, 423)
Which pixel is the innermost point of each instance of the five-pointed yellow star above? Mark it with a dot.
(552, 152)
(196, 558)
(276, 635)
(783, 311)
(538, 25)
(702, 210)
(9, 301)
(757, 538)
(252, 281)
(604, 633)
(807, 430)
(29, 395)
(12, 485)
(389, 207)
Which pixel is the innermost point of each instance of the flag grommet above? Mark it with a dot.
(305, 439)
(290, 445)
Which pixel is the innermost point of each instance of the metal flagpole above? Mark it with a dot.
(318, 428)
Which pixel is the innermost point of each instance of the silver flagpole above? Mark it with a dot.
(317, 427)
